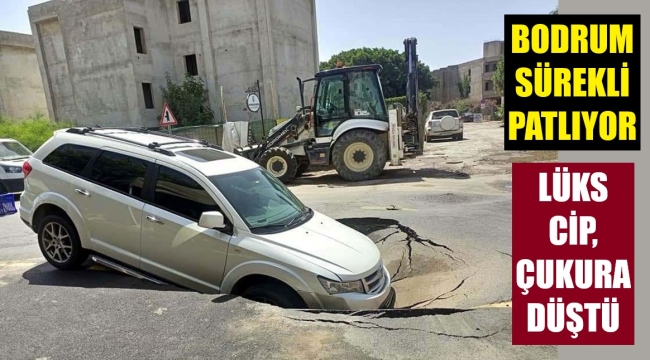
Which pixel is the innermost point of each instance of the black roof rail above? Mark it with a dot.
(182, 139)
(91, 131)
(144, 130)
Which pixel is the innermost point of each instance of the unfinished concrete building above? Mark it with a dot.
(104, 61)
(21, 87)
(479, 71)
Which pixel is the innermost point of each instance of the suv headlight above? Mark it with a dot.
(335, 287)
(12, 169)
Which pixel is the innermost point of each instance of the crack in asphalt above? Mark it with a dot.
(399, 267)
(503, 253)
(370, 225)
(383, 240)
(411, 235)
(441, 296)
(391, 313)
(372, 325)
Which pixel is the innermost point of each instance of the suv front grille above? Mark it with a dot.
(374, 283)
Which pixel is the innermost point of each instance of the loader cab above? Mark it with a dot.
(347, 93)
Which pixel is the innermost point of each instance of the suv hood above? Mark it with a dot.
(331, 245)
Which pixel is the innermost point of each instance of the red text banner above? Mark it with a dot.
(573, 254)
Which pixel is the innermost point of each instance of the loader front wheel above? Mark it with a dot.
(281, 163)
(359, 155)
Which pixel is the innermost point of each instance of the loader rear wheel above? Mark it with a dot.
(359, 155)
(281, 163)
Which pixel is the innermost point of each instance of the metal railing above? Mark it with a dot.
(214, 133)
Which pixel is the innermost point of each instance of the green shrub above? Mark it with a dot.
(498, 113)
(402, 100)
(188, 101)
(31, 132)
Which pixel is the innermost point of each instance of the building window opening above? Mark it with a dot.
(184, 15)
(148, 95)
(139, 40)
(191, 66)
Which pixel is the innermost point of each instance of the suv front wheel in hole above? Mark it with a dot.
(60, 244)
(274, 294)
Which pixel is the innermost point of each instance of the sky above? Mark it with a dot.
(449, 32)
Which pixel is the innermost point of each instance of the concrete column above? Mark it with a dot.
(267, 57)
(208, 56)
(315, 36)
(45, 75)
(273, 76)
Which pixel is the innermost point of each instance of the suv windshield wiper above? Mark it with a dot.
(300, 217)
(270, 227)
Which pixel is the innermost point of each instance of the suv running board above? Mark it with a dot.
(125, 270)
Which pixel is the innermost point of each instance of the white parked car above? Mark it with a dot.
(444, 124)
(175, 210)
(12, 157)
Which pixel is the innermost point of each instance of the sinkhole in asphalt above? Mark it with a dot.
(425, 273)
(428, 276)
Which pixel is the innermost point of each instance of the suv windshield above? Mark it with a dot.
(441, 114)
(13, 150)
(263, 202)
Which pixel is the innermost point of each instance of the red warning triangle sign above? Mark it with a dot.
(167, 118)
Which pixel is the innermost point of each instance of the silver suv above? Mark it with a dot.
(180, 211)
(443, 124)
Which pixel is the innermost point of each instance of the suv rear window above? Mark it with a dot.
(121, 173)
(70, 158)
(441, 114)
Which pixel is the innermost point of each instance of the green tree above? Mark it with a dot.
(497, 77)
(393, 76)
(464, 86)
(555, 12)
(188, 101)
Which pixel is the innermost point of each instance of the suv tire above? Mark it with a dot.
(274, 294)
(59, 243)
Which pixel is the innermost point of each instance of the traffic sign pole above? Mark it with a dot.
(254, 102)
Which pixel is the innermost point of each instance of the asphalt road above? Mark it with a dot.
(442, 222)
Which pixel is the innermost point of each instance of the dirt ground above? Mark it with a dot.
(479, 153)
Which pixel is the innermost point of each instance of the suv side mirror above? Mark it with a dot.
(212, 220)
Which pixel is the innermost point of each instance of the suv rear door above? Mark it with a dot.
(174, 247)
(110, 197)
(439, 126)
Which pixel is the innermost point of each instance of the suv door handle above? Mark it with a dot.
(82, 192)
(155, 219)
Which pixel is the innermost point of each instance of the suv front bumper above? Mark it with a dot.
(385, 299)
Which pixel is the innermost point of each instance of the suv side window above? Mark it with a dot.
(122, 173)
(180, 194)
(70, 158)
